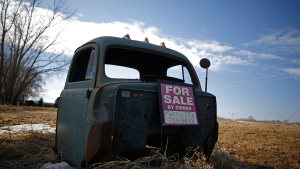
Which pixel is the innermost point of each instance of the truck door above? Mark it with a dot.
(71, 118)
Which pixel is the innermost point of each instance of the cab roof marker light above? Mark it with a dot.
(146, 40)
(126, 36)
(163, 44)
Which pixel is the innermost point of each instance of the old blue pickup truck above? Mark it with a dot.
(100, 117)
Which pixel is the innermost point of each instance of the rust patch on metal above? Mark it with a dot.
(99, 147)
(138, 95)
(73, 94)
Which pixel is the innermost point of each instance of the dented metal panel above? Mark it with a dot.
(124, 124)
(71, 125)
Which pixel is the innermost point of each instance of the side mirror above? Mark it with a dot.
(205, 63)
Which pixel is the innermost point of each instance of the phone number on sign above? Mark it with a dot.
(180, 117)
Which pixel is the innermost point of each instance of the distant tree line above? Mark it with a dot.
(40, 103)
(24, 62)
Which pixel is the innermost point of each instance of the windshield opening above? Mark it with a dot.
(180, 72)
(151, 66)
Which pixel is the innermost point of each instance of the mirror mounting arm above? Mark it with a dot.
(182, 73)
(206, 80)
(205, 63)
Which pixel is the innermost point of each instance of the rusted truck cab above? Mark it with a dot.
(100, 117)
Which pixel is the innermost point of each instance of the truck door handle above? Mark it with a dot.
(88, 93)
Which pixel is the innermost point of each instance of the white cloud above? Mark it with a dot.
(269, 56)
(297, 61)
(293, 71)
(245, 53)
(78, 33)
(259, 55)
(51, 95)
(53, 88)
(211, 46)
(287, 40)
(80, 14)
(220, 60)
(269, 67)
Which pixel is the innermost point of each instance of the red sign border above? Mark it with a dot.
(162, 119)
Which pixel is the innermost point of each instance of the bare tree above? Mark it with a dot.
(251, 118)
(25, 39)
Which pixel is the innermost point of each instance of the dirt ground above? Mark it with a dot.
(240, 144)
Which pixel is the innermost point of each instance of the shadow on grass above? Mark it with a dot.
(26, 150)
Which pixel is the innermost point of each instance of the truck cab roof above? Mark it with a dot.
(152, 61)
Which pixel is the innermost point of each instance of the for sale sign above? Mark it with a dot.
(177, 104)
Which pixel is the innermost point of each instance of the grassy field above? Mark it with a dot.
(240, 144)
(16, 115)
(267, 144)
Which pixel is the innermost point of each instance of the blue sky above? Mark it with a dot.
(253, 46)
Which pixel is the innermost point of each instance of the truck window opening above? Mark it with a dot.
(151, 66)
(84, 66)
(121, 72)
(180, 73)
(90, 72)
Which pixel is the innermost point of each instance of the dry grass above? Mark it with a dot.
(27, 150)
(268, 144)
(17, 115)
(240, 145)
(219, 159)
(157, 159)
